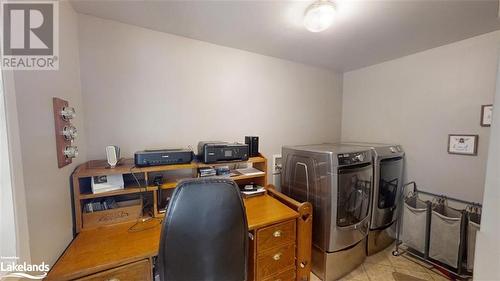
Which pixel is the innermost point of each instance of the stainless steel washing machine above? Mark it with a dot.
(337, 181)
(388, 164)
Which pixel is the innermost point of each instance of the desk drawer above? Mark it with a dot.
(136, 271)
(275, 260)
(288, 275)
(275, 235)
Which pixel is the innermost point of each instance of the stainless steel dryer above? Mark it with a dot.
(337, 181)
(388, 161)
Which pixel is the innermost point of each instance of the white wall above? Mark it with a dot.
(8, 233)
(417, 101)
(48, 187)
(487, 257)
(146, 89)
(16, 165)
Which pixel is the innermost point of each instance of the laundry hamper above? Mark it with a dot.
(474, 221)
(416, 215)
(447, 236)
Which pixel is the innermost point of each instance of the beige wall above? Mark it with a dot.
(417, 101)
(146, 89)
(47, 187)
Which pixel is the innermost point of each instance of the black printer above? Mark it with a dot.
(216, 151)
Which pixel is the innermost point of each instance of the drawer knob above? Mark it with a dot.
(113, 279)
(277, 233)
(277, 257)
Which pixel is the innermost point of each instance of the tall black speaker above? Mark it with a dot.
(253, 145)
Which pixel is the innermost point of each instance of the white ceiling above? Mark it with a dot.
(364, 33)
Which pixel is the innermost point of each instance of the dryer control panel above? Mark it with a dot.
(353, 158)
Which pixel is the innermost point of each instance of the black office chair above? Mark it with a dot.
(205, 233)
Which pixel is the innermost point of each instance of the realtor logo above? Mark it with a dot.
(30, 35)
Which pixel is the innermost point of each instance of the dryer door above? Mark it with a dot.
(389, 188)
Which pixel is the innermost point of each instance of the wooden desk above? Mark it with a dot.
(95, 251)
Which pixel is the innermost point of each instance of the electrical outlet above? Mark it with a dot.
(276, 171)
(277, 164)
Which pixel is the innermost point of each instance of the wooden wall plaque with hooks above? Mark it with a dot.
(59, 124)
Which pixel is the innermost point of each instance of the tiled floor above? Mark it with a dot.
(379, 267)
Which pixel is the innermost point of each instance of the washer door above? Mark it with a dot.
(350, 225)
(353, 200)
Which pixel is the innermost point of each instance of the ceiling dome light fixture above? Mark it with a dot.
(319, 16)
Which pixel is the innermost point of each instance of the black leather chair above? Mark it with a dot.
(205, 233)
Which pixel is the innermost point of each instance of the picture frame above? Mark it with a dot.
(486, 115)
(463, 144)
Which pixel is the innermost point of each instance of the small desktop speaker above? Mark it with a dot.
(112, 155)
(253, 145)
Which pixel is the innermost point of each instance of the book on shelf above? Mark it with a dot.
(103, 205)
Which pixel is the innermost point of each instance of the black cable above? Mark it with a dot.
(140, 190)
(142, 219)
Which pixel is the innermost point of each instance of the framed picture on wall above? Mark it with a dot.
(486, 114)
(463, 144)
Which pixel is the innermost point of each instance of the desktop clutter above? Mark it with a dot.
(214, 159)
(120, 206)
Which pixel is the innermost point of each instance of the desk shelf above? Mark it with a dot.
(82, 175)
(126, 166)
(168, 185)
(128, 190)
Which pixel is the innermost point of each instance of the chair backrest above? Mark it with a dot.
(205, 233)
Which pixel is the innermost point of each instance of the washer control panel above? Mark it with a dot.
(353, 158)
